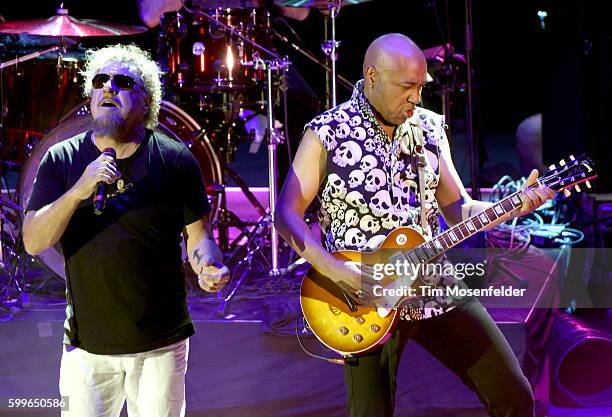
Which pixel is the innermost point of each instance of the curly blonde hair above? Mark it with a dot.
(142, 62)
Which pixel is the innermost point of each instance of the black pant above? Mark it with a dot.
(467, 341)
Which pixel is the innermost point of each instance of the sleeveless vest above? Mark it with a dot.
(372, 183)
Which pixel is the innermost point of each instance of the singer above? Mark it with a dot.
(127, 325)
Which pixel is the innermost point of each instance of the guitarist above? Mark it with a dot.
(363, 152)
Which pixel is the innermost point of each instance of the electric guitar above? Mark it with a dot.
(351, 329)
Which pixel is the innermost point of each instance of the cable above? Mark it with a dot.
(336, 361)
(516, 236)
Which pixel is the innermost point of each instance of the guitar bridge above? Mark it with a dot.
(349, 301)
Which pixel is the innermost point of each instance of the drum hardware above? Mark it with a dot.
(272, 138)
(33, 55)
(330, 48)
(228, 218)
(230, 29)
(12, 258)
(321, 4)
(9, 148)
(313, 58)
(257, 63)
(207, 52)
(330, 45)
(64, 25)
(265, 230)
(225, 4)
(22, 127)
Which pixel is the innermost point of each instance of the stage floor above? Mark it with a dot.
(247, 362)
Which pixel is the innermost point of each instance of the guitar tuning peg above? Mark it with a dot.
(552, 167)
(577, 188)
(588, 184)
(567, 192)
(572, 158)
(562, 162)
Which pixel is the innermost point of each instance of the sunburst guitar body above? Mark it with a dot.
(341, 325)
(351, 329)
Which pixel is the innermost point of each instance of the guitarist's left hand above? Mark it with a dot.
(533, 198)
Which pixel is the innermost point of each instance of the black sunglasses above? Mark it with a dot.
(123, 82)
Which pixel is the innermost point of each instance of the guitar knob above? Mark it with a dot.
(359, 320)
(357, 338)
(375, 328)
(343, 331)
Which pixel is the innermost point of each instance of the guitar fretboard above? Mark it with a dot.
(427, 251)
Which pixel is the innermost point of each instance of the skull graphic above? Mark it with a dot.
(335, 187)
(358, 133)
(375, 179)
(356, 178)
(351, 218)
(381, 203)
(356, 200)
(349, 153)
(342, 130)
(369, 224)
(368, 163)
(328, 137)
(355, 238)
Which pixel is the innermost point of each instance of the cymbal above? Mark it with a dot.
(320, 4)
(63, 25)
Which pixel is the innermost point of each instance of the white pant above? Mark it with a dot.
(153, 382)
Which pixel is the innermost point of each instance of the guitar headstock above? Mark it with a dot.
(567, 175)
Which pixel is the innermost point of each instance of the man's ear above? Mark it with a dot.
(371, 75)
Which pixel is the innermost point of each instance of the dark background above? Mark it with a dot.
(519, 67)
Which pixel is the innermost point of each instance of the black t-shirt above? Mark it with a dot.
(125, 281)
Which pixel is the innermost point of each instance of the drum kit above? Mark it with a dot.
(221, 74)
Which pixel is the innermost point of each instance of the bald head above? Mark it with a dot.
(394, 72)
(388, 51)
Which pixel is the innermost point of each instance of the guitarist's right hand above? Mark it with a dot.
(355, 278)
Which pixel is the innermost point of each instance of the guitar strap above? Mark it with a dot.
(417, 134)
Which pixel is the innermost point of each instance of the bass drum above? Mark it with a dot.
(173, 122)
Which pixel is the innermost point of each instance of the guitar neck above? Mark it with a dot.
(567, 175)
(429, 250)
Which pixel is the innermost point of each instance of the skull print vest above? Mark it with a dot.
(371, 186)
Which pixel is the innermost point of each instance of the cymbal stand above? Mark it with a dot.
(309, 55)
(265, 227)
(61, 50)
(11, 258)
(272, 180)
(228, 218)
(329, 47)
